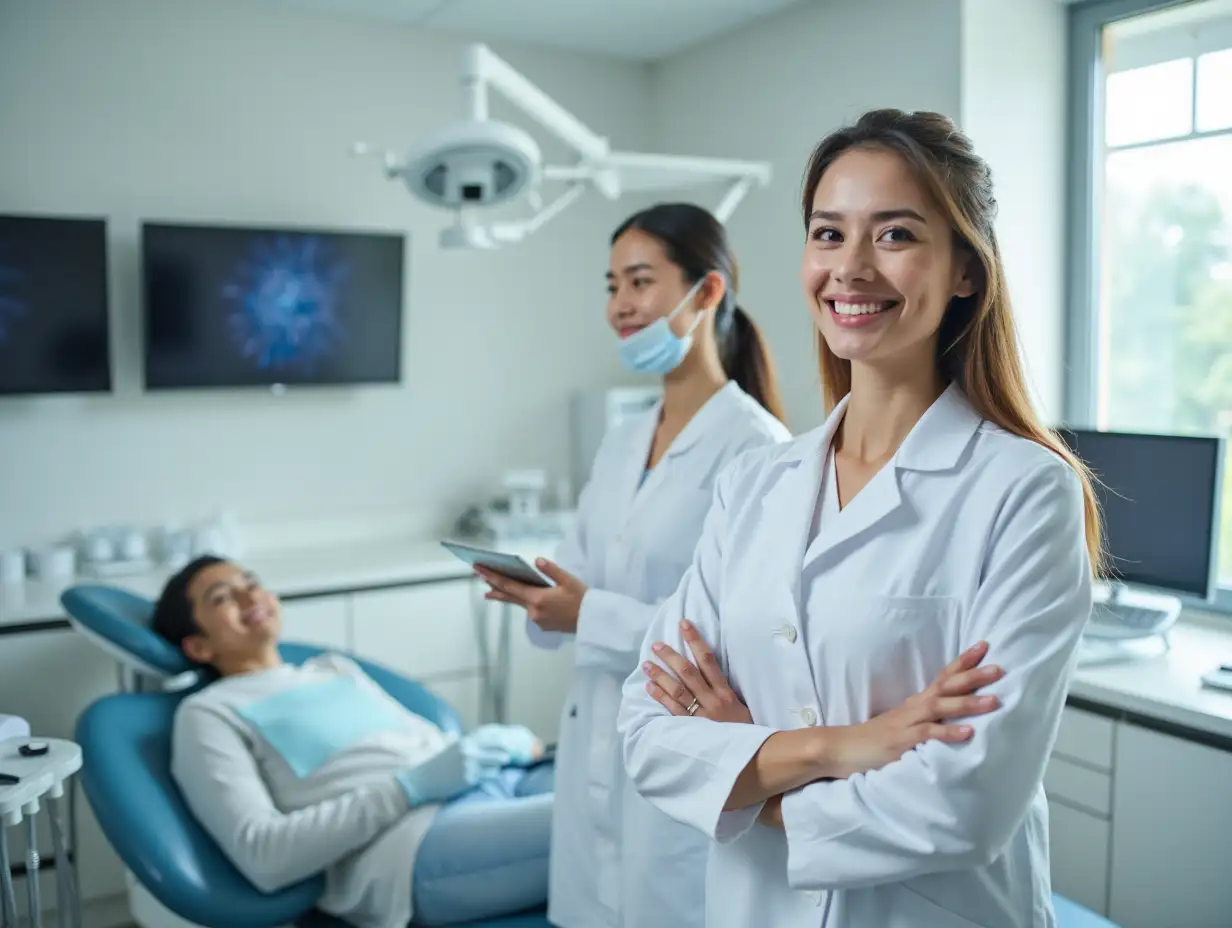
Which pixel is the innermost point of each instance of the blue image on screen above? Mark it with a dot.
(11, 306)
(285, 300)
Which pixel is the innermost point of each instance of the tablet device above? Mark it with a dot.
(507, 565)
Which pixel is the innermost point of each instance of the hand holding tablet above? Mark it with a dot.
(551, 596)
(498, 562)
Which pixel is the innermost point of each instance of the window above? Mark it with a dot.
(1151, 296)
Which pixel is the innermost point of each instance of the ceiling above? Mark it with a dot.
(638, 30)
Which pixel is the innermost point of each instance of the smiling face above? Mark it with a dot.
(237, 619)
(880, 264)
(643, 285)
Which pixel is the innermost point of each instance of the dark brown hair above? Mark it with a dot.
(173, 613)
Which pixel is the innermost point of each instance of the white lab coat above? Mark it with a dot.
(617, 862)
(968, 534)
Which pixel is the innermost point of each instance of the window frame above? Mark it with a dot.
(1087, 20)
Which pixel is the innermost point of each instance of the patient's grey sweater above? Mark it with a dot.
(301, 769)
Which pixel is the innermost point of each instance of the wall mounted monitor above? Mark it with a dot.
(54, 328)
(240, 306)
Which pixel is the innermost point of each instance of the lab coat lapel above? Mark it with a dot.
(629, 484)
(935, 444)
(790, 503)
(879, 498)
(694, 431)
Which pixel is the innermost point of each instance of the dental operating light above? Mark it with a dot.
(482, 162)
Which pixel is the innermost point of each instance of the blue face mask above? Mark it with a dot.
(656, 349)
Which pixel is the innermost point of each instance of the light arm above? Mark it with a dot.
(950, 807)
(484, 69)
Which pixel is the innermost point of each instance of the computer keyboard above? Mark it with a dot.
(1123, 620)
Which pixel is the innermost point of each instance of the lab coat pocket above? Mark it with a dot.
(908, 639)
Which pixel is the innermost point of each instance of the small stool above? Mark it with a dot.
(31, 770)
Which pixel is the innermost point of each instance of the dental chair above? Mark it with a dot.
(179, 877)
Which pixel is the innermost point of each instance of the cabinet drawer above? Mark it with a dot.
(1079, 848)
(422, 631)
(1086, 738)
(463, 693)
(1173, 836)
(1079, 786)
(324, 621)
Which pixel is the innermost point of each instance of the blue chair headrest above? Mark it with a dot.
(119, 622)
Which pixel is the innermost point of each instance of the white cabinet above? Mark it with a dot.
(1172, 840)
(320, 620)
(1086, 738)
(1078, 783)
(538, 678)
(424, 631)
(427, 632)
(463, 693)
(1079, 846)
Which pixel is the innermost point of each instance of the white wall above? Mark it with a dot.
(178, 109)
(232, 111)
(1014, 108)
(772, 92)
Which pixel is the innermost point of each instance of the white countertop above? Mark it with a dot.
(290, 573)
(1166, 687)
(1169, 686)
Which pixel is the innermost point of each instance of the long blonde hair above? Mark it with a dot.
(977, 346)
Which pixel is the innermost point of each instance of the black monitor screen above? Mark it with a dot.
(54, 331)
(233, 307)
(1160, 499)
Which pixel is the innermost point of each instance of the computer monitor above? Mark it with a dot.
(242, 306)
(54, 327)
(1160, 496)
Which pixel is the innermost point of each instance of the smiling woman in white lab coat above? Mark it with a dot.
(617, 862)
(839, 574)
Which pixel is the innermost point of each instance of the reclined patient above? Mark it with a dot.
(295, 770)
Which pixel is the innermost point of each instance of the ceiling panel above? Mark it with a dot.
(640, 29)
(402, 11)
(644, 30)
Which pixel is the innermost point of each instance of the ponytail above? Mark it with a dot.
(747, 360)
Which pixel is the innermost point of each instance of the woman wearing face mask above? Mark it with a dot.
(617, 862)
